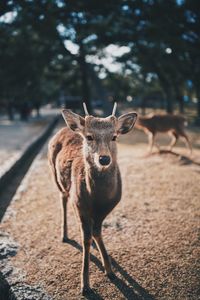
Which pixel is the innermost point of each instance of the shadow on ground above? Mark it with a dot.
(5, 292)
(183, 160)
(128, 287)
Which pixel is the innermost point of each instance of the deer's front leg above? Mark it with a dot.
(174, 140)
(103, 252)
(151, 139)
(86, 229)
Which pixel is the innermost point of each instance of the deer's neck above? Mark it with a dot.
(103, 182)
(142, 121)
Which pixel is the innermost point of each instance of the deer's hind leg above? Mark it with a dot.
(186, 140)
(64, 199)
(151, 139)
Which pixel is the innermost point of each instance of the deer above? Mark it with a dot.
(83, 160)
(174, 125)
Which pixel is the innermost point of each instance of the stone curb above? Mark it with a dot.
(35, 142)
(11, 287)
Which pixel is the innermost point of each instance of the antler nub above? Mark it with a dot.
(114, 109)
(85, 109)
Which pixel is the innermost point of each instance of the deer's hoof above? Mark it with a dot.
(86, 290)
(65, 239)
(110, 275)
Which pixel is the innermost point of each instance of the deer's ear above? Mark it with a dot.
(73, 121)
(126, 122)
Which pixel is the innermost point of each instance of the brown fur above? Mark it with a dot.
(93, 189)
(172, 124)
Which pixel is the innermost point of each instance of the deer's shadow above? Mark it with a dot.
(128, 287)
(183, 159)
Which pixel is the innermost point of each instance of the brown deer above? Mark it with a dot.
(83, 159)
(171, 124)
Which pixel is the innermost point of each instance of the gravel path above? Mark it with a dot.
(152, 236)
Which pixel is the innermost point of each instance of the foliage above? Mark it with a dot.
(38, 65)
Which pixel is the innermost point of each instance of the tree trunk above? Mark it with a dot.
(198, 105)
(197, 90)
(38, 112)
(101, 91)
(36, 106)
(143, 106)
(10, 112)
(169, 103)
(181, 103)
(24, 112)
(179, 96)
(166, 86)
(84, 78)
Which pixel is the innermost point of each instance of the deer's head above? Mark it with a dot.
(99, 135)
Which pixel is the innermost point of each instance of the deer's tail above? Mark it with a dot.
(52, 162)
(183, 121)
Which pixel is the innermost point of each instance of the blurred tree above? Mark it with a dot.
(155, 43)
(82, 23)
(49, 47)
(163, 37)
(24, 58)
(191, 37)
(44, 30)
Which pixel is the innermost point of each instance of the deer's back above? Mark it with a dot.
(64, 149)
(162, 123)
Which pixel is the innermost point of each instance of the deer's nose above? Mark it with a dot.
(104, 160)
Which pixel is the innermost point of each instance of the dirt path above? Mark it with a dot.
(152, 236)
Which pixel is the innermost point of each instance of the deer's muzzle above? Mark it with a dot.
(104, 160)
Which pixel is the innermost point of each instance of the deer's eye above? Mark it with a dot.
(114, 138)
(89, 138)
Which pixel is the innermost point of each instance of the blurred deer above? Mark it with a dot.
(83, 159)
(171, 124)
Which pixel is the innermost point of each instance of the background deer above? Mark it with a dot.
(172, 124)
(83, 159)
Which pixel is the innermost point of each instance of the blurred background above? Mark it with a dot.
(141, 53)
(144, 54)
